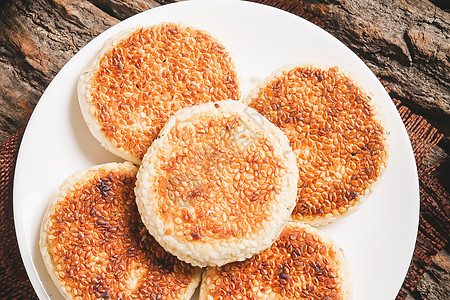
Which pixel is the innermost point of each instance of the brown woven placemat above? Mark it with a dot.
(432, 236)
(14, 283)
(434, 219)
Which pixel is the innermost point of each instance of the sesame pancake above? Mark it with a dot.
(303, 263)
(218, 185)
(141, 77)
(335, 132)
(95, 246)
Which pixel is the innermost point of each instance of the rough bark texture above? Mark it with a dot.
(435, 284)
(36, 39)
(406, 43)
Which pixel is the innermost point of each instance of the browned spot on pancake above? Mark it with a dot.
(219, 181)
(150, 75)
(299, 265)
(335, 133)
(101, 249)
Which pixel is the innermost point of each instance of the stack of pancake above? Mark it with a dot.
(217, 187)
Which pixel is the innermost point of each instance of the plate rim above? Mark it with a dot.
(29, 265)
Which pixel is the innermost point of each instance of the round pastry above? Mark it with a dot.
(303, 263)
(218, 184)
(335, 132)
(142, 77)
(95, 246)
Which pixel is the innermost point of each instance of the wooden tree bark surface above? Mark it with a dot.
(406, 43)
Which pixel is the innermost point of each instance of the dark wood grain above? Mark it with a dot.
(406, 43)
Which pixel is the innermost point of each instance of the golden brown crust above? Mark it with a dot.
(141, 78)
(95, 246)
(218, 184)
(335, 132)
(303, 263)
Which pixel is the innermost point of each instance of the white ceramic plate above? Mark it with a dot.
(378, 239)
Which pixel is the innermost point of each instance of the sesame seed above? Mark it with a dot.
(199, 192)
(150, 74)
(301, 263)
(104, 250)
(335, 132)
(207, 184)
